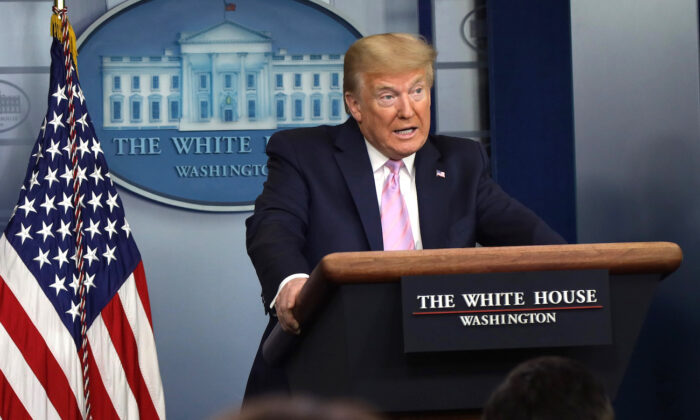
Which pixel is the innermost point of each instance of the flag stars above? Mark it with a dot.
(97, 175)
(48, 204)
(24, 233)
(34, 180)
(28, 206)
(95, 201)
(74, 310)
(45, 231)
(65, 203)
(82, 122)
(89, 282)
(61, 257)
(109, 254)
(80, 201)
(93, 229)
(59, 284)
(38, 153)
(83, 147)
(79, 93)
(75, 284)
(60, 94)
(68, 148)
(126, 228)
(96, 148)
(81, 159)
(112, 201)
(67, 175)
(56, 121)
(90, 255)
(110, 228)
(53, 150)
(51, 177)
(42, 258)
(64, 229)
(81, 174)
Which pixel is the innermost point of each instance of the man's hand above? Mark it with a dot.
(286, 300)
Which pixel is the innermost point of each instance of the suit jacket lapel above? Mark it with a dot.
(351, 156)
(433, 197)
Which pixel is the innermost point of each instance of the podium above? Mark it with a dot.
(350, 312)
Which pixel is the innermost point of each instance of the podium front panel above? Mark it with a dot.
(354, 348)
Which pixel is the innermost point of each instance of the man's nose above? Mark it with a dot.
(405, 106)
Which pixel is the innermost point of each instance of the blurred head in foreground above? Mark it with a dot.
(549, 388)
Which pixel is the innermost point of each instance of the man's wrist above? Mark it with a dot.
(284, 282)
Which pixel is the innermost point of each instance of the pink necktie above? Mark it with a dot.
(396, 226)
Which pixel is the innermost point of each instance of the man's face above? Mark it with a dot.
(393, 111)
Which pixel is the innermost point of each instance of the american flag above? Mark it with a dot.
(40, 313)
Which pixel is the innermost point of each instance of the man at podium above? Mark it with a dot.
(379, 181)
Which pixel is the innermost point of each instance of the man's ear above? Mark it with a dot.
(353, 106)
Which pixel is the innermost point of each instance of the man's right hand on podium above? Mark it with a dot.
(284, 305)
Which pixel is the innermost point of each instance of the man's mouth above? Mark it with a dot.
(406, 131)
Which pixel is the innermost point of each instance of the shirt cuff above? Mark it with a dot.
(285, 281)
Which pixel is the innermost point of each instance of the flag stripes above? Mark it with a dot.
(30, 393)
(142, 289)
(102, 407)
(38, 358)
(51, 364)
(120, 336)
(114, 378)
(124, 343)
(132, 300)
(9, 402)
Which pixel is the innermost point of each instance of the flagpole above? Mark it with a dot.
(67, 38)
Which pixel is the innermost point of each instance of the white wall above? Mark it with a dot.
(637, 126)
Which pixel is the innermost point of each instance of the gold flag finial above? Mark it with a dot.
(57, 29)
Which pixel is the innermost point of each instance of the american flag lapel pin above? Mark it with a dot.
(439, 173)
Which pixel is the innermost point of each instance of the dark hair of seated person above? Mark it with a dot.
(549, 388)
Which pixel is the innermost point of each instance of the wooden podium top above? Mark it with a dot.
(389, 266)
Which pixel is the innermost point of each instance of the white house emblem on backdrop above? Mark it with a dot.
(185, 108)
(14, 106)
(225, 78)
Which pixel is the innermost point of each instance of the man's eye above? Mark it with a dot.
(386, 100)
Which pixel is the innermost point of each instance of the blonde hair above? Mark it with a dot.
(390, 53)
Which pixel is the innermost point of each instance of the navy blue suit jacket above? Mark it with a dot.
(320, 198)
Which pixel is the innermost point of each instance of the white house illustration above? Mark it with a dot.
(225, 78)
(10, 104)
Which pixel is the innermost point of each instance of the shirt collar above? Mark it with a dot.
(377, 159)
